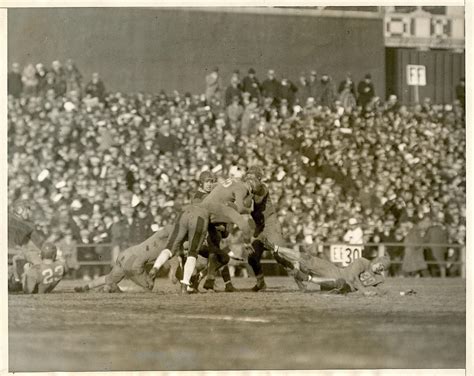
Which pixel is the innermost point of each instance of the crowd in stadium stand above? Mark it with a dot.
(114, 167)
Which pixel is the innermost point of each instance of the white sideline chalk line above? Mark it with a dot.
(225, 318)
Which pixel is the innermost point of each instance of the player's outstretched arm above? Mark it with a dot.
(360, 288)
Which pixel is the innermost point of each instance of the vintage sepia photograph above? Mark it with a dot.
(236, 188)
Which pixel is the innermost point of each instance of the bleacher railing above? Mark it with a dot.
(339, 253)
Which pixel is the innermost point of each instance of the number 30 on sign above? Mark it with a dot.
(344, 254)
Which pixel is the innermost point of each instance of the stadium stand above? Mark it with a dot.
(85, 155)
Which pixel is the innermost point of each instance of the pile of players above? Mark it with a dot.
(192, 247)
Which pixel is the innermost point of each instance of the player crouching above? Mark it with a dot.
(42, 278)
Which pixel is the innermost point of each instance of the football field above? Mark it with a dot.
(280, 328)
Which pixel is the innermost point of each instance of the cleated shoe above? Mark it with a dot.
(81, 288)
(260, 286)
(229, 287)
(187, 290)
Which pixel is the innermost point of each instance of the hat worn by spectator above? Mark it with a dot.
(353, 221)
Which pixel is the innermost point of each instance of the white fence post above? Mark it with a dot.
(381, 250)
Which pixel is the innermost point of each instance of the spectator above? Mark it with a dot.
(287, 90)
(68, 247)
(271, 87)
(236, 77)
(96, 88)
(414, 262)
(365, 91)
(251, 85)
(50, 84)
(73, 77)
(461, 92)
(392, 104)
(86, 252)
(347, 98)
(59, 77)
(354, 235)
(303, 90)
(234, 113)
(313, 85)
(213, 86)
(30, 82)
(143, 223)
(165, 140)
(122, 231)
(390, 234)
(41, 74)
(15, 83)
(327, 91)
(453, 269)
(285, 110)
(232, 91)
(347, 83)
(250, 118)
(437, 234)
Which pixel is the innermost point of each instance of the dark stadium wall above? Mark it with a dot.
(443, 70)
(154, 49)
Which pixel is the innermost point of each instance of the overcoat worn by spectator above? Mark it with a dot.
(271, 87)
(251, 85)
(15, 84)
(414, 259)
(366, 91)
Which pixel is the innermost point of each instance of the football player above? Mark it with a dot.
(360, 275)
(20, 227)
(217, 257)
(21, 230)
(42, 278)
(268, 229)
(131, 264)
(207, 181)
(225, 204)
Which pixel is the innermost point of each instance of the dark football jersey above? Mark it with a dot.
(20, 232)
